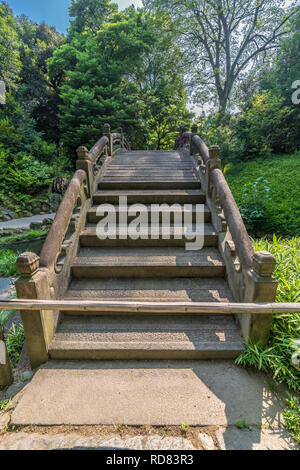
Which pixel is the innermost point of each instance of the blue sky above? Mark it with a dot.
(53, 12)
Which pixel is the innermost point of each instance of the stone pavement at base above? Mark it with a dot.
(24, 223)
(222, 439)
(202, 394)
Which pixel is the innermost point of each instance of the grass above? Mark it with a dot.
(285, 331)
(23, 237)
(14, 343)
(284, 342)
(292, 417)
(8, 260)
(283, 174)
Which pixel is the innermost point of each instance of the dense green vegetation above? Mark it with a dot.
(272, 205)
(8, 263)
(278, 356)
(285, 333)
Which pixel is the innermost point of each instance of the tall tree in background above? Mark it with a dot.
(222, 39)
(37, 44)
(160, 87)
(93, 90)
(10, 64)
(89, 15)
(125, 75)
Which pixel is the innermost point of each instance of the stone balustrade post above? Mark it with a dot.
(107, 133)
(6, 377)
(260, 286)
(120, 131)
(39, 326)
(83, 163)
(194, 132)
(213, 163)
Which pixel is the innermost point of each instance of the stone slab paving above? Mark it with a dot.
(221, 439)
(200, 393)
(25, 222)
(226, 394)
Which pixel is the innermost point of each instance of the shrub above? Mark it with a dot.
(285, 331)
(255, 197)
(8, 263)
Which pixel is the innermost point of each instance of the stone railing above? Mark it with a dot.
(249, 274)
(47, 277)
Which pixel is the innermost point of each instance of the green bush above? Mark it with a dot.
(282, 208)
(264, 126)
(285, 331)
(255, 197)
(8, 263)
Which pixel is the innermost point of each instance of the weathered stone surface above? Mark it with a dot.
(4, 420)
(206, 441)
(204, 393)
(26, 376)
(25, 441)
(255, 439)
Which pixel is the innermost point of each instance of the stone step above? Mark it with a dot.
(146, 337)
(88, 238)
(147, 290)
(151, 183)
(180, 210)
(147, 262)
(148, 173)
(180, 196)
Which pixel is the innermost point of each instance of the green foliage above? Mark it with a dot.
(125, 75)
(5, 315)
(14, 343)
(23, 237)
(10, 64)
(255, 197)
(8, 263)
(89, 15)
(36, 90)
(264, 126)
(282, 208)
(285, 331)
(292, 417)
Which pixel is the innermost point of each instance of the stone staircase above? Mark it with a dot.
(153, 284)
(146, 270)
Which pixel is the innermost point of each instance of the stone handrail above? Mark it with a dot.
(249, 274)
(56, 236)
(98, 149)
(233, 216)
(234, 219)
(48, 277)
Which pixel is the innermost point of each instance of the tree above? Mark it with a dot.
(37, 44)
(10, 64)
(160, 87)
(94, 88)
(89, 15)
(222, 39)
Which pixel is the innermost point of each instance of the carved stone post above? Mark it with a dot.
(120, 131)
(194, 132)
(6, 377)
(261, 286)
(213, 162)
(83, 163)
(39, 326)
(107, 133)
